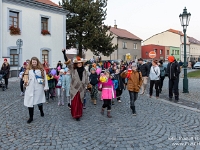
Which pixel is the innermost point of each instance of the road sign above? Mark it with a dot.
(19, 42)
(152, 54)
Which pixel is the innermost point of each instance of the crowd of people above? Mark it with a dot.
(105, 81)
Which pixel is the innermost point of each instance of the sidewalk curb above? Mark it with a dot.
(176, 104)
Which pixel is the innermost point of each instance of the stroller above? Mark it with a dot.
(2, 80)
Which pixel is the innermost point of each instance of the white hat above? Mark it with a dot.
(79, 59)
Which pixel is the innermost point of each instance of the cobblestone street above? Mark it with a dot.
(159, 125)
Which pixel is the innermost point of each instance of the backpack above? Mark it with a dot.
(162, 71)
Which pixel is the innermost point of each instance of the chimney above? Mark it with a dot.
(115, 26)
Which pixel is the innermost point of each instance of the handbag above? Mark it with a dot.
(39, 79)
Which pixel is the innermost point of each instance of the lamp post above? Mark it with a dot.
(185, 18)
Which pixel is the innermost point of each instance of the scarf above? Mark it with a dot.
(80, 72)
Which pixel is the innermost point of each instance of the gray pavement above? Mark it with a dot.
(159, 124)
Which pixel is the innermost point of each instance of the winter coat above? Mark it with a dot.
(93, 79)
(134, 82)
(154, 73)
(144, 69)
(58, 81)
(34, 93)
(173, 70)
(76, 84)
(66, 81)
(121, 82)
(51, 81)
(107, 90)
(6, 69)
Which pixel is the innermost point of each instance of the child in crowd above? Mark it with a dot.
(58, 87)
(93, 78)
(66, 80)
(51, 84)
(115, 85)
(120, 87)
(107, 93)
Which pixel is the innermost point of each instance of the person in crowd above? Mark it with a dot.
(58, 84)
(107, 94)
(93, 78)
(21, 72)
(154, 76)
(106, 65)
(133, 85)
(115, 86)
(144, 69)
(51, 84)
(27, 62)
(66, 81)
(121, 83)
(35, 82)
(59, 67)
(79, 82)
(189, 65)
(173, 71)
(180, 64)
(6, 69)
(162, 75)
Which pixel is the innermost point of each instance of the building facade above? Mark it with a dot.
(42, 26)
(127, 43)
(194, 49)
(159, 50)
(172, 40)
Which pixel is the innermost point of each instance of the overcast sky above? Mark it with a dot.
(145, 18)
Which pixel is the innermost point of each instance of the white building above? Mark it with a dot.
(32, 17)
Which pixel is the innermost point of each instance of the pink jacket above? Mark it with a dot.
(107, 90)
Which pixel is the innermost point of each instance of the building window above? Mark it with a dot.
(167, 52)
(124, 45)
(44, 23)
(45, 56)
(155, 50)
(14, 19)
(172, 52)
(161, 51)
(14, 57)
(135, 46)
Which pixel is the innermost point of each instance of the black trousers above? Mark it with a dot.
(107, 103)
(161, 82)
(21, 85)
(133, 97)
(152, 82)
(118, 94)
(6, 81)
(173, 88)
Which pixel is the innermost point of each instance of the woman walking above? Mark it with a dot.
(6, 69)
(154, 76)
(133, 85)
(35, 82)
(78, 85)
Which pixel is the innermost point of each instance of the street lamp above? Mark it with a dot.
(185, 18)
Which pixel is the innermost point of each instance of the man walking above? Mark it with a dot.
(144, 69)
(173, 71)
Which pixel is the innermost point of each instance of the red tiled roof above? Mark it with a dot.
(193, 40)
(48, 2)
(124, 33)
(175, 31)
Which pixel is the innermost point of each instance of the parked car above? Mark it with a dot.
(197, 65)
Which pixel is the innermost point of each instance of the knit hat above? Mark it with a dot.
(62, 70)
(134, 65)
(24, 63)
(92, 69)
(171, 59)
(5, 59)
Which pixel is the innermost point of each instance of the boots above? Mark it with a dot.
(108, 114)
(133, 110)
(30, 109)
(40, 107)
(102, 111)
(95, 102)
